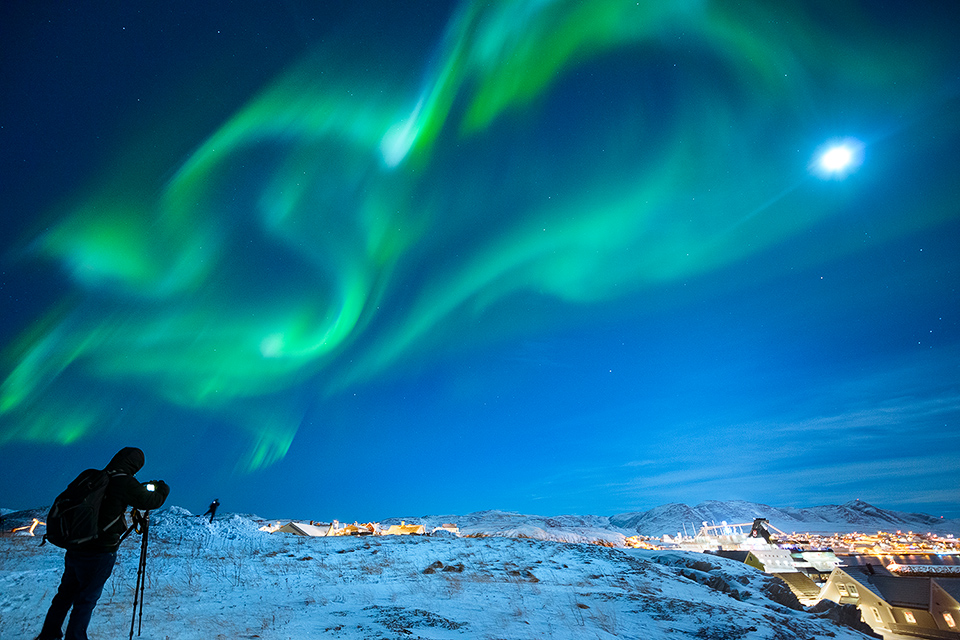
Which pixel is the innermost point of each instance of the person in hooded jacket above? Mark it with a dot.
(87, 567)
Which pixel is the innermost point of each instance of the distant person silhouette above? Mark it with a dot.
(87, 566)
(212, 509)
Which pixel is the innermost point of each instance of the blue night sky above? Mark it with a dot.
(347, 260)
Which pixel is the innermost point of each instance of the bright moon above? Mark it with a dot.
(836, 159)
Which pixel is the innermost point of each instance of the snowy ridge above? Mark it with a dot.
(855, 515)
(670, 519)
(666, 519)
(568, 528)
(229, 580)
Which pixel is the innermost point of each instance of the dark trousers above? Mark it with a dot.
(84, 575)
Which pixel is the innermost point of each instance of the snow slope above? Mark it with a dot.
(228, 580)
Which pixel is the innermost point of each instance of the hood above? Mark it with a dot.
(128, 460)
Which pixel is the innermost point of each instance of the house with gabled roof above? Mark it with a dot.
(304, 529)
(404, 529)
(922, 607)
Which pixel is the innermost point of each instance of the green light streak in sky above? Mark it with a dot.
(321, 236)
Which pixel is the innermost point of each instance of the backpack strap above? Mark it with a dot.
(112, 522)
(127, 532)
(115, 474)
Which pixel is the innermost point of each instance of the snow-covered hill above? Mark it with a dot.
(855, 515)
(229, 580)
(595, 529)
(673, 518)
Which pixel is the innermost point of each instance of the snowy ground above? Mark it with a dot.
(228, 580)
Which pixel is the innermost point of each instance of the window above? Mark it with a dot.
(853, 591)
(842, 588)
(876, 614)
(910, 617)
(949, 619)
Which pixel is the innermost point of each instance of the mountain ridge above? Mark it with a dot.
(666, 519)
(673, 518)
(850, 516)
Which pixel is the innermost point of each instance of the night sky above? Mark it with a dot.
(361, 259)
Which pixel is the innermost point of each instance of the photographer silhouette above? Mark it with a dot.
(88, 564)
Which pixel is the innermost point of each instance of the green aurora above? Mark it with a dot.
(368, 211)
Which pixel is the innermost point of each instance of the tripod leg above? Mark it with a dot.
(143, 564)
(136, 597)
(143, 584)
(141, 578)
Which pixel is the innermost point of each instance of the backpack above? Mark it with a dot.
(75, 514)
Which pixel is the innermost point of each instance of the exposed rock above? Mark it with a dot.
(847, 615)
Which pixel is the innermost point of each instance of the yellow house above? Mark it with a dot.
(357, 529)
(404, 529)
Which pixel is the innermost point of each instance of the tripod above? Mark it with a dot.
(141, 523)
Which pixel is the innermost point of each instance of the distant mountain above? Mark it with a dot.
(508, 524)
(673, 518)
(855, 515)
(666, 519)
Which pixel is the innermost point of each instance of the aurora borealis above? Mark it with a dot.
(542, 256)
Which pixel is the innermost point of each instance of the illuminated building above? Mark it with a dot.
(923, 607)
